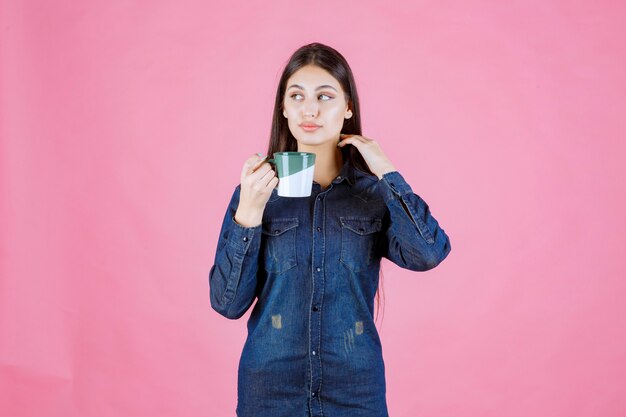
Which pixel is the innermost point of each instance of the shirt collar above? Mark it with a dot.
(347, 173)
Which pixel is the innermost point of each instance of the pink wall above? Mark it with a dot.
(123, 128)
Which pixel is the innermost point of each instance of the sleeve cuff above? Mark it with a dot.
(395, 185)
(240, 236)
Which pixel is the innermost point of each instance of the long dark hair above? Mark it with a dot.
(327, 58)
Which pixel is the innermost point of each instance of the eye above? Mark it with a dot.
(321, 95)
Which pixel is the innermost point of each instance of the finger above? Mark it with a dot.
(273, 182)
(255, 157)
(249, 163)
(269, 176)
(258, 163)
(350, 140)
(252, 164)
(349, 135)
(359, 138)
(260, 171)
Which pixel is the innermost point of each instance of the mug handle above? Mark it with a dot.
(272, 162)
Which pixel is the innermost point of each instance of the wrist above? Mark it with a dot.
(248, 218)
(387, 169)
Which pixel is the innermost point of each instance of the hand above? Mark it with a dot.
(376, 160)
(258, 179)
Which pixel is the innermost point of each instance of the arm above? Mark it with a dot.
(232, 278)
(413, 238)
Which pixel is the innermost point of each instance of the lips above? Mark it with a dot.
(309, 127)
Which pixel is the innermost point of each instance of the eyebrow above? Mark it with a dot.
(318, 88)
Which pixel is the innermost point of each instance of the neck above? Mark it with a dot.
(328, 161)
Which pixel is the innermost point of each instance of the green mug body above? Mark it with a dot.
(295, 173)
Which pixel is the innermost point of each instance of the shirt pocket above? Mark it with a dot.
(279, 238)
(358, 237)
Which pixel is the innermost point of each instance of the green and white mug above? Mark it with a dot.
(295, 173)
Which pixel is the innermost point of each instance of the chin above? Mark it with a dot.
(309, 142)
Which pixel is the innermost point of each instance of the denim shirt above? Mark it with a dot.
(313, 268)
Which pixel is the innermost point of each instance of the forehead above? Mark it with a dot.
(312, 76)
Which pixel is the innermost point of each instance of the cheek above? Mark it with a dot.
(291, 114)
(291, 110)
(336, 110)
(335, 115)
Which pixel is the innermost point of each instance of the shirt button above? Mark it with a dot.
(318, 269)
(319, 198)
(315, 308)
(245, 238)
(319, 229)
(339, 177)
(313, 353)
(313, 394)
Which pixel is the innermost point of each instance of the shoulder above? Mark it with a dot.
(367, 187)
(364, 177)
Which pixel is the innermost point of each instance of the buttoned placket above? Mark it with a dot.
(317, 277)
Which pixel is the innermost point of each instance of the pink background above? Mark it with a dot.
(123, 129)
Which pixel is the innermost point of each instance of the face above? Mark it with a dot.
(314, 97)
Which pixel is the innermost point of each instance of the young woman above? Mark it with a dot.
(313, 263)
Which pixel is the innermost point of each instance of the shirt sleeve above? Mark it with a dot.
(413, 238)
(233, 276)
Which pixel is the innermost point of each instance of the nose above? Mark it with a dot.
(310, 108)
